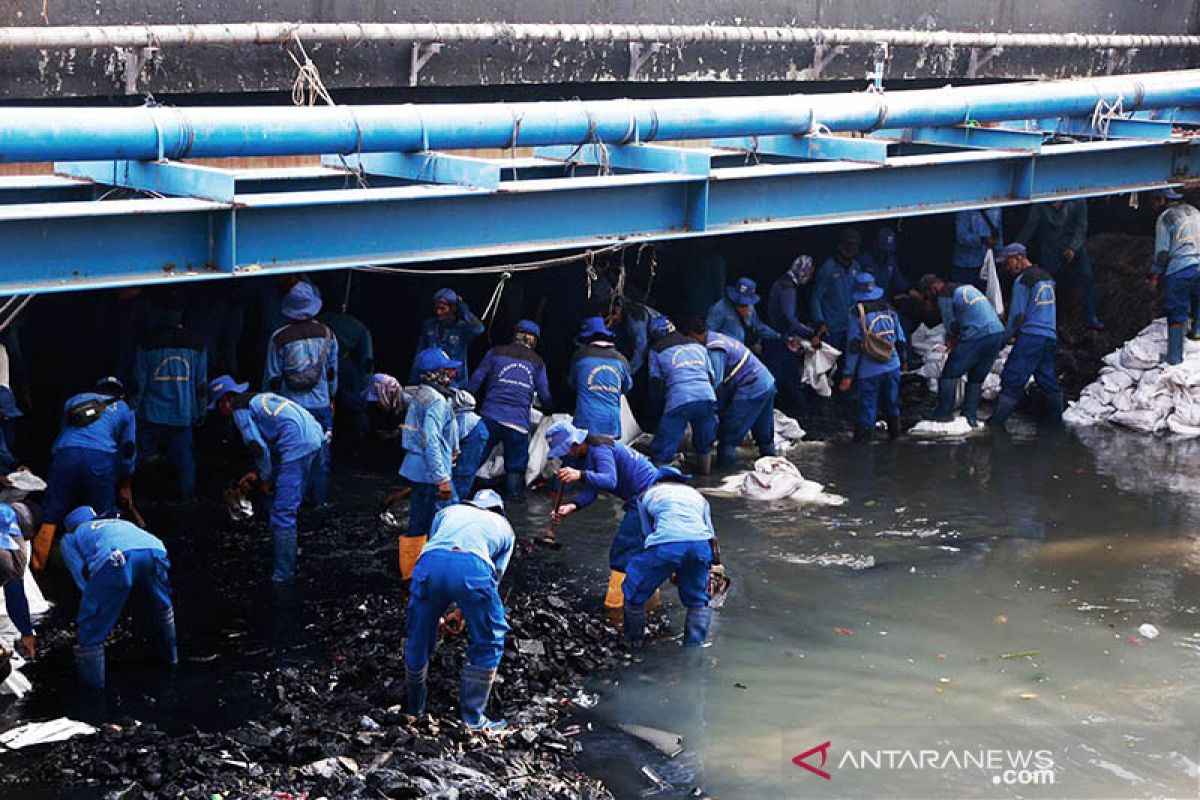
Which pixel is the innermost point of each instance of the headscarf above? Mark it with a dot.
(801, 269)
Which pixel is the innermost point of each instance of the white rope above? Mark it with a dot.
(493, 305)
(1104, 113)
(13, 316)
(499, 269)
(308, 87)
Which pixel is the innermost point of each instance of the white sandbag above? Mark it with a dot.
(788, 432)
(992, 288)
(775, 478)
(930, 429)
(819, 366)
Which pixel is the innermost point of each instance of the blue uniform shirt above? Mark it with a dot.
(600, 376)
(882, 321)
(510, 375)
(170, 385)
(970, 229)
(91, 545)
(831, 295)
(735, 368)
(278, 430)
(296, 348)
(724, 318)
(454, 337)
(429, 436)
(783, 305)
(614, 468)
(1176, 240)
(1033, 310)
(473, 530)
(115, 431)
(675, 512)
(682, 365)
(633, 331)
(966, 313)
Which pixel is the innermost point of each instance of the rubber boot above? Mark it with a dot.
(893, 426)
(614, 598)
(410, 551)
(514, 484)
(473, 696)
(418, 690)
(44, 541)
(970, 406)
(947, 390)
(89, 665)
(704, 464)
(166, 634)
(861, 434)
(1174, 345)
(1194, 330)
(1005, 406)
(655, 602)
(695, 627)
(1054, 408)
(285, 554)
(635, 624)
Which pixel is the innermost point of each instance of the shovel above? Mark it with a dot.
(548, 540)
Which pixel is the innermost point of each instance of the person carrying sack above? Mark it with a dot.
(872, 358)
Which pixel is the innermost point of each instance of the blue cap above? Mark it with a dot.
(110, 384)
(372, 395)
(448, 296)
(222, 386)
(78, 517)
(301, 302)
(561, 436)
(1169, 193)
(742, 293)
(8, 404)
(434, 358)
(1011, 250)
(487, 499)
(661, 326)
(671, 474)
(528, 326)
(865, 289)
(594, 326)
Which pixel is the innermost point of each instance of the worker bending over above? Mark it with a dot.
(18, 522)
(463, 562)
(682, 376)
(974, 336)
(745, 394)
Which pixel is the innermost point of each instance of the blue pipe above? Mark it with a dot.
(101, 134)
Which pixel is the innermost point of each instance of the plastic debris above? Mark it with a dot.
(668, 743)
(55, 730)
(1020, 654)
(1148, 631)
(958, 426)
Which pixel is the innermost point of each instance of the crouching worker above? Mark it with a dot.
(286, 442)
(679, 534)
(463, 561)
(18, 522)
(109, 558)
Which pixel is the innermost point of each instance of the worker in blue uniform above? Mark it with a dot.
(1059, 229)
(883, 262)
(18, 522)
(9, 414)
(974, 336)
(600, 376)
(734, 316)
(975, 233)
(1033, 328)
(788, 299)
(356, 365)
(170, 396)
(682, 375)
(463, 563)
(286, 443)
(451, 329)
(430, 438)
(109, 559)
(92, 460)
(678, 532)
(745, 394)
(878, 378)
(1176, 268)
(302, 365)
(831, 289)
(630, 319)
(602, 464)
(472, 442)
(509, 376)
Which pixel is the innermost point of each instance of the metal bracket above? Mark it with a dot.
(1114, 60)
(419, 56)
(980, 60)
(822, 55)
(133, 60)
(639, 54)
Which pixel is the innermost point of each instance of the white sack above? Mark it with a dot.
(775, 478)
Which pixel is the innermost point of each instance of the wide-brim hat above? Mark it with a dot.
(222, 386)
(561, 437)
(743, 293)
(301, 302)
(434, 358)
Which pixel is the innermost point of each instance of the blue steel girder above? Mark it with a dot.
(88, 244)
(169, 178)
(971, 137)
(812, 147)
(635, 157)
(424, 167)
(1110, 128)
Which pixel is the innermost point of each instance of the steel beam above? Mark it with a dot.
(424, 167)
(811, 148)
(636, 157)
(158, 177)
(971, 137)
(1110, 128)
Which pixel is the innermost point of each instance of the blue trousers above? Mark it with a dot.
(973, 358)
(650, 568)
(516, 446)
(423, 505)
(79, 476)
(175, 443)
(109, 588)
(292, 479)
(1180, 291)
(440, 578)
(1030, 356)
(878, 392)
(700, 414)
(756, 416)
(629, 540)
(319, 482)
(470, 456)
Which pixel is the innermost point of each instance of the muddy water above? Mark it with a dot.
(883, 625)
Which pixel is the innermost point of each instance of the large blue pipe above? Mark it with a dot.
(99, 134)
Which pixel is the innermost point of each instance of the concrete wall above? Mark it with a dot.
(92, 73)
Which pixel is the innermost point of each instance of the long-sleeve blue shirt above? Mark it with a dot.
(1033, 311)
(429, 436)
(675, 512)
(1176, 240)
(970, 229)
(614, 468)
(724, 318)
(1055, 229)
(683, 367)
(454, 337)
(882, 321)
(966, 313)
(736, 369)
(509, 377)
(831, 295)
(783, 305)
(633, 331)
(170, 385)
(600, 376)
(92, 544)
(473, 530)
(885, 267)
(114, 431)
(299, 348)
(277, 430)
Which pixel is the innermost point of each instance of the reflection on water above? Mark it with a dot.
(985, 594)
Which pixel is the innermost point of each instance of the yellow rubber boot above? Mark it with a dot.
(42, 544)
(410, 551)
(614, 598)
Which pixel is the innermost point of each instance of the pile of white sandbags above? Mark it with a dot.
(1136, 391)
(775, 478)
(930, 345)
